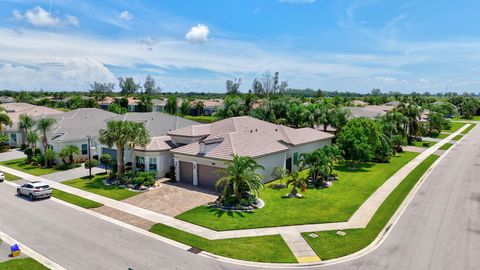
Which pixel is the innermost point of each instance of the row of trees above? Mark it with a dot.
(127, 86)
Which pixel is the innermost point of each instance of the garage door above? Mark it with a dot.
(207, 176)
(110, 151)
(186, 172)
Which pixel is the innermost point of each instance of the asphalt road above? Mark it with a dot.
(440, 229)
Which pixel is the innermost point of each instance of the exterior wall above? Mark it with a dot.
(11, 141)
(305, 148)
(269, 163)
(185, 140)
(164, 161)
(58, 146)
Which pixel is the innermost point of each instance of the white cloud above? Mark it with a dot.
(73, 74)
(125, 15)
(198, 34)
(39, 17)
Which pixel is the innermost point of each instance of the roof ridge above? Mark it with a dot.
(231, 142)
(284, 133)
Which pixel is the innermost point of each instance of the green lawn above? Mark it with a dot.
(96, 186)
(329, 245)
(259, 249)
(22, 264)
(446, 146)
(200, 118)
(458, 137)
(441, 136)
(74, 199)
(472, 125)
(454, 127)
(475, 118)
(19, 164)
(11, 177)
(333, 204)
(424, 144)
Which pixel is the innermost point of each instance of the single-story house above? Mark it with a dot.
(159, 104)
(7, 99)
(369, 111)
(207, 147)
(358, 103)
(14, 110)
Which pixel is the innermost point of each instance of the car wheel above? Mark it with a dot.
(19, 193)
(30, 196)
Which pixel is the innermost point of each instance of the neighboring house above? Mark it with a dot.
(132, 104)
(156, 155)
(5, 99)
(14, 110)
(206, 147)
(105, 103)
(370, 111)
(159, 105)
(210, 106)
(394, 103)
(358, 103)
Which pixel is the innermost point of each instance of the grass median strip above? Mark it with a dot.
(423, 144)
(96, 186)
(472, 125)
(11, 177)
(446, 146)
(74, 199)
(334, 204)
(258, 249)
(455, 126)
(20, 264)
(458, 137)
(20, 165)
(329, 245)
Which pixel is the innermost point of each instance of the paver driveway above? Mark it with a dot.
(172, 198)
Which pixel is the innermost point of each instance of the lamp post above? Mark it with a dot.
(89, 159)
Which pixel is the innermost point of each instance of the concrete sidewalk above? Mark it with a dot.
(359, 219)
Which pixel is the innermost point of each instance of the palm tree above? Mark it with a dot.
(4, 119)
(44, 125)
(25, 123)
(116, 133)
(32, 138)
(337, 118)
(138, 135)
(297, 182)
(239, 177)
(69, 151)
(413, 113)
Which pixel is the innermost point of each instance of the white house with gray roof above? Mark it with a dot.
(206, 147)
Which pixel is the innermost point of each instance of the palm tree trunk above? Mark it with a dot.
(134, 160)
(120, 161)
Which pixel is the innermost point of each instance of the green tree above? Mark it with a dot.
(138, 135)
(149, 86)
(334, 155)
(185, 107)
(90, 103)
(338, 118)
(25, 123)
(240, 177)
(115, 108)
(392, 125)
(171, 106)
(145, 104)
(4, 120)
(436, 122)
(233, 106)
(469, 108)
(106, 160)
(199, 106)
(297, 182)
(233, 86)
(413, 114)
(317, 163)
(69, 151)
(75, 102)
(45, 125)
(49, 157)
(32, 138)
(297, 115)
(128, 86)
(117, 133)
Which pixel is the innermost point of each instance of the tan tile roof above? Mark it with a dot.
(14, 110)
(246, 136)
(159, 143)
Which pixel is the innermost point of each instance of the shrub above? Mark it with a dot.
(29, 153)
(23, 147)
(106, 160)
(91, 164)
(426, 144)
(49, 157)
(37, 152)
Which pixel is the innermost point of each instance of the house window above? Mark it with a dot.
(140, 163)
(295, 158)
(84, 149)
(13, 137)
(152, 164)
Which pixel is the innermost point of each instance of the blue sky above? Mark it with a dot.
(197, 45)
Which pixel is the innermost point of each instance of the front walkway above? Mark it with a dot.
(359, 220)
(74, 173)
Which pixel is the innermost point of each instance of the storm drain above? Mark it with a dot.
(194, 250)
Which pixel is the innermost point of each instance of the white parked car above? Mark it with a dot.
(2, 177)
(35, 190)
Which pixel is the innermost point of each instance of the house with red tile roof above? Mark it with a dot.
(203, 149)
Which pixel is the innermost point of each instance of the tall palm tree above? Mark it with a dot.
(32, 138)
(4, 119)
(413, 113)
(138, 136)
(45, 125)
(25, 123)
(117, 133)
(239, 177)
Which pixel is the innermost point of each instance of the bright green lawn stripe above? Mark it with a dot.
(474, 118)
(329, 245)
(201, 118)
(11, 177)
(458, 137)
(19, 164)
(96, 186)
(455, 126)
(258, 249)
(22, 264)
(442, 136)
(74, 199)
(446, 146)
(334, 204)
(472, 125)
(423, 144)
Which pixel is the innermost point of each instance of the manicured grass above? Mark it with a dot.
(22, 264)
(472, 125)
(458, 137)
(201, 118)
(446, 146)
(11, 177)
(442, 136)
(475, 118)
(423, 144)
(259, 249)
(455, 126)
(96, 186)
(333, 204)
(74, 199)
(329, 245)
(19, 164)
